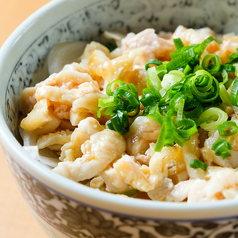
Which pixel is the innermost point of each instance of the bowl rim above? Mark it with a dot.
(105, 202)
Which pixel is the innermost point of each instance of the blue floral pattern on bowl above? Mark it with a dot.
(75, 219)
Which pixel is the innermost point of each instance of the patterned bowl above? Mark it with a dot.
(62, 207)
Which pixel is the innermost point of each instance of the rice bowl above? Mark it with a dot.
(43, 189)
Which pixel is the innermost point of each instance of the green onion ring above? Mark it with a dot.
(120, 122)
(109, 91)
(152, 61)
(186, 127)
(227, 128)
(234, 93)
(212, 63)
(197, 164)
(216, 117)
(222, 148)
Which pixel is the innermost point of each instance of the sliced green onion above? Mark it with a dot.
(121, 103)
(178, 138)
(177, 95)
(233, 57)
(153, 81)
(174, 89)
(109, 125)
(134, 112)
(181, 60)
(204, 86)
(187, 70)
(153, 111)
(180, 106)
(188, 54)
(117, 82)
(186, 128)
(224, 95)
(132, 87)
(236, 70)
(227, 128)
(197, 164)
(222, 148)
(234, 93)
(150, 98)
(224, 75)
(201, 47)
(176, 100)
(194, 111)
(181, 51)
(130, 193)
(229, 68)
(164, 107)
(128, 95)
(196, 86)
(171, 78)
(168, 121)
(169, 134)
(201, 120)
(178, 43)
(212, 63)
(161, 139)
(153, 62)
(120, 122)
(196, 68)
(103, 101)
(110, 107)
(161, 70)
(215, 118)
(165, 137)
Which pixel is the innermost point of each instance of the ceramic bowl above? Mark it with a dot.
(62, 207)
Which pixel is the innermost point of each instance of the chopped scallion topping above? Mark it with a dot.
(178, 43)
(186, 127)
(212, 63)
(234, 93)
(227, 128)
(215, 118)
(197, 164)
(152, 62)
(130, 193)
(182, 95)
(121, 103)
(222, 148)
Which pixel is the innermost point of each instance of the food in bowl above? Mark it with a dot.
(153, 117)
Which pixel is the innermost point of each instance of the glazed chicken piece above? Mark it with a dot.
(98, 152)
(72, 150)
(142, 132)
(218, 184)
(153, 46)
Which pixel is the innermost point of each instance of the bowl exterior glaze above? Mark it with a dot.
(62, 217)
(59, 213)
